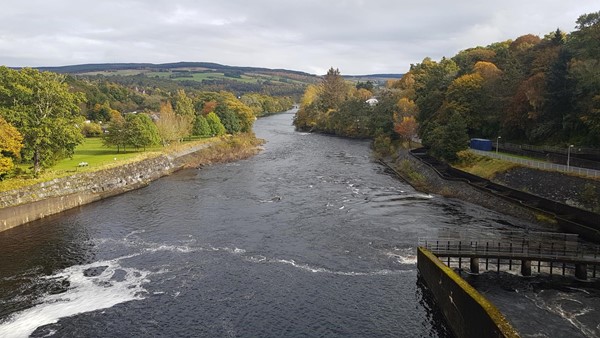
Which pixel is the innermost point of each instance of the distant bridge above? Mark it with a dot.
(548, 251)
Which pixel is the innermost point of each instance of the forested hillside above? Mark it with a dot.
(535, 90)
(45, 115)
(203, 76)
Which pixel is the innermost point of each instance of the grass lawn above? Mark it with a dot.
(482, 166)
(97, 157)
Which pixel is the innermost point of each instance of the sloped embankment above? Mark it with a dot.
(572, 190)
(30, 203)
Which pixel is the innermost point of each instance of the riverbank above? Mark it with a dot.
(424, 178)
(20, 206)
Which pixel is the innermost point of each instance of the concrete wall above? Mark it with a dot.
(463, 191)
(34, 202)
(466, 311)
(27, 204)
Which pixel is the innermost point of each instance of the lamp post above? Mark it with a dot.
(569, 156)
(497, 143)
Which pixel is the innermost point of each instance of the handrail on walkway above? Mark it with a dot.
(514, 244)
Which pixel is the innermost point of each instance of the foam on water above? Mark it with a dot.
(403, 255)
(236, 251)
(306, 267)
(171, 248)
(559, 305)
(85, 293)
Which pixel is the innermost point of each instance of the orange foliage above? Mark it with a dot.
(209, 107)
(406, 107)
(487, 70)
(407, 129)
(524, 42)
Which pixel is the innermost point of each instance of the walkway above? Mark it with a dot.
(539, 164)
(502, 247)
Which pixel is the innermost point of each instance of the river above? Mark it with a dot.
(308, 238)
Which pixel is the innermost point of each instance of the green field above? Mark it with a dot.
(123, 72)
(96, 156)
(246, 78)
(199, 76)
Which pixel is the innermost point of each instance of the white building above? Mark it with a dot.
(372, 101)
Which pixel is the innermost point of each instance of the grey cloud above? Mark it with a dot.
(355, 35)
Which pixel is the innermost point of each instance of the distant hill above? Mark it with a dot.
(208, 76)
(112, 67)
(198, 75)
(375, 76)
(188, 66)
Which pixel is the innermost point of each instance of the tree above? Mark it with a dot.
(101, 112)
(306, 117)
(228, 105)
(445, 140)
(209, 107)
(592, 117)
(466, 59)
(44, 110)
(406, 107)
(407, 129)
(141, 131)
(365, 85)
(216, 127)
(523, 114)
(10, 146)
(464, 96)
(201, 127)
(183, 104)
(173, 127)
(333, 90)
(230, 121)
(585, 41)
(91, 129)
(116, 133)
(431, 81)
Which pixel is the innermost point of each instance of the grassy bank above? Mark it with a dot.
(232, 148)
(482, 166)
(97, 157)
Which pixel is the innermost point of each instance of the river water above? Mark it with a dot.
(308, 238)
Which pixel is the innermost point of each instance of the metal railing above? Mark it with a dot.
(511, 250)
(543, 149)
(540, 164)
(515, 245)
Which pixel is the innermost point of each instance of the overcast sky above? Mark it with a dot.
(356, 36)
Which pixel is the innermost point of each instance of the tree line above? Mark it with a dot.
(336, 106)
(44, 115)
(535, 90)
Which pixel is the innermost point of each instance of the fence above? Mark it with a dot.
(517, 248)
(546, 149)
(540, 164)
(579, 157)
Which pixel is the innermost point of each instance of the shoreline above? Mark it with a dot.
(424, 179)
(23, 205)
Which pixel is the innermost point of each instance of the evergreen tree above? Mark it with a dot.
(201, 127)
(216, 127)
(333, 90)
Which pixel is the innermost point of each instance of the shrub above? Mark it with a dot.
(91, 129)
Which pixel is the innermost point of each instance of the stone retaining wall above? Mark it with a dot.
(467, 312)
(24, 205)
(463, 191)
